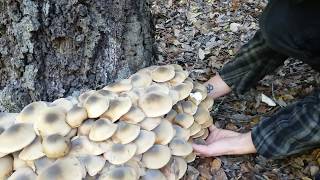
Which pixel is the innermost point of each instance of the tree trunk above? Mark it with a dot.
(56, 48)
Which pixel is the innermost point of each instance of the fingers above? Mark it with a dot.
(212, 128)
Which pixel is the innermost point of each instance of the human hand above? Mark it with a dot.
(225, 142)
(216, 87)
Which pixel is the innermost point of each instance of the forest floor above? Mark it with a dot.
(202, 35)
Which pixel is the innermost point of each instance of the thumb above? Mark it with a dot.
(202, 149)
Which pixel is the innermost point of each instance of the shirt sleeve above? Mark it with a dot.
(253, 61)
(292, 130)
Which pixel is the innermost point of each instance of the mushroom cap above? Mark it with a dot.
(190, 157)
(117, 108)
(81, 145)
(137, 165)
(126, 133)
(202, 115)
(119, 173)
(207, 103)
(195, 128)
(197, 87)
(171, 115)
(66, 168)
(52, 121)
(43, 163)
(162, 73)
(180, 147)
(102, 130)
(62, 103)
(140, 80)
(181, 132)
(153, 174)
(83, 97)
(184, 120)
(109, 94)
(156, 157)
(76, 115)
(16, 137)
(205, 134)
(208, 123)
(6, 166)
(120, 153)
(144, 141)
(17, 162)
(33, 151)
(179, 77)
(133, 95)
(177, 67)
(199, 134)
(189, 107)
(164, 132)
(120, 86)
(182, 166)
(55, 146)
(30, 112)
(84, 128)
(96, 104)
(156, 87)
(133, 116)
(23, 173)
(150, 123)
(155, 104)
(93, 164)
(7, 120)
(183, 89)
(174, 95)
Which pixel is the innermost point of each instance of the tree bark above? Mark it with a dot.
(56, 48)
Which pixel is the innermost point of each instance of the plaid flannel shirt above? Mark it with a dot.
(291, 130)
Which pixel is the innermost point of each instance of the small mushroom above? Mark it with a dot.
(153, 174)
(144, 141)
(171, 115)
(183, 89)
(7, 120)
(76, 115)
(133, 116)
(179, 77)
(163, 73)
(182, 166)
(208, 123)
(120, 86)
(81, 145)
(24, 173)
(181, 132)
(102, 130)
(189, 107)
(109, 94)
(83, 97)
(137, 165)
(156, 87)
(164, 132)
(184, 120)
(96, 104)
(140, 80)
(6, 166)
(202, 115)
(126, 133)
(156, 157)
(207, 103)
(93, 164)
(120, 153)
(55, 146)
(155, 104)
(16, 137)
(17, 162)
(174, 95)
(197, 87)
(63, 103)
(67, 168)
(180, 147)
(119, 173)
(33, 151)
(205, 134)
(30, 112)
(43, 163)
(85, 127)
(117, 108)
(150, 123)
(195, 128)
(190, 157)
(198, 134)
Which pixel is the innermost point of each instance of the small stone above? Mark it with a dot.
(234, 27)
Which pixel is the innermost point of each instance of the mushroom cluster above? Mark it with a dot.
(137, 128)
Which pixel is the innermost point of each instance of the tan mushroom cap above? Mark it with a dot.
(182, 166)
(156, 87)
(120, 153)
(197, 87)
(30, 112)
(174, 95)
(207, 103)
(171, 115)
(17, 162)
(205, 134)
(183, 89)
(76, 115)
(156, 157)
(32, 151)
(81, 145)
(85, 127)
(150, 123)
(83, 97)
(117, 108)
(133, 116)
(181, 132)
(120, 86)
(155, 104)
(137, 165)
(62, 103)
(190, 157)
(202, 115)
(102, 130)
(23, 173)
(119, 173)
(93, 164)
(207, 123)
(144, 141)
(199, 134)
(189, 107)
(16, 137)
(7, 120)
(133, 95)
(107, 93)
(163, 73)
(96, 104)
(179, 77)
(125, 133)
(55, 146)
(153, 174)
(180, 147)
(6, 166)
(184, 120)
(195, 128)
(164, 132)
(52, 121)
(43, 163)
(141, 80)
(67, 168)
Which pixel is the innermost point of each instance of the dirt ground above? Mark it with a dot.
(202, 35)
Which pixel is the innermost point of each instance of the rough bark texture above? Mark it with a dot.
(55, 48)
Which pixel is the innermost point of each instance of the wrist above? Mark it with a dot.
(246, 145)
(216, 87)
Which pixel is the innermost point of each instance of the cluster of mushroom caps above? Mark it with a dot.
(137, 128)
